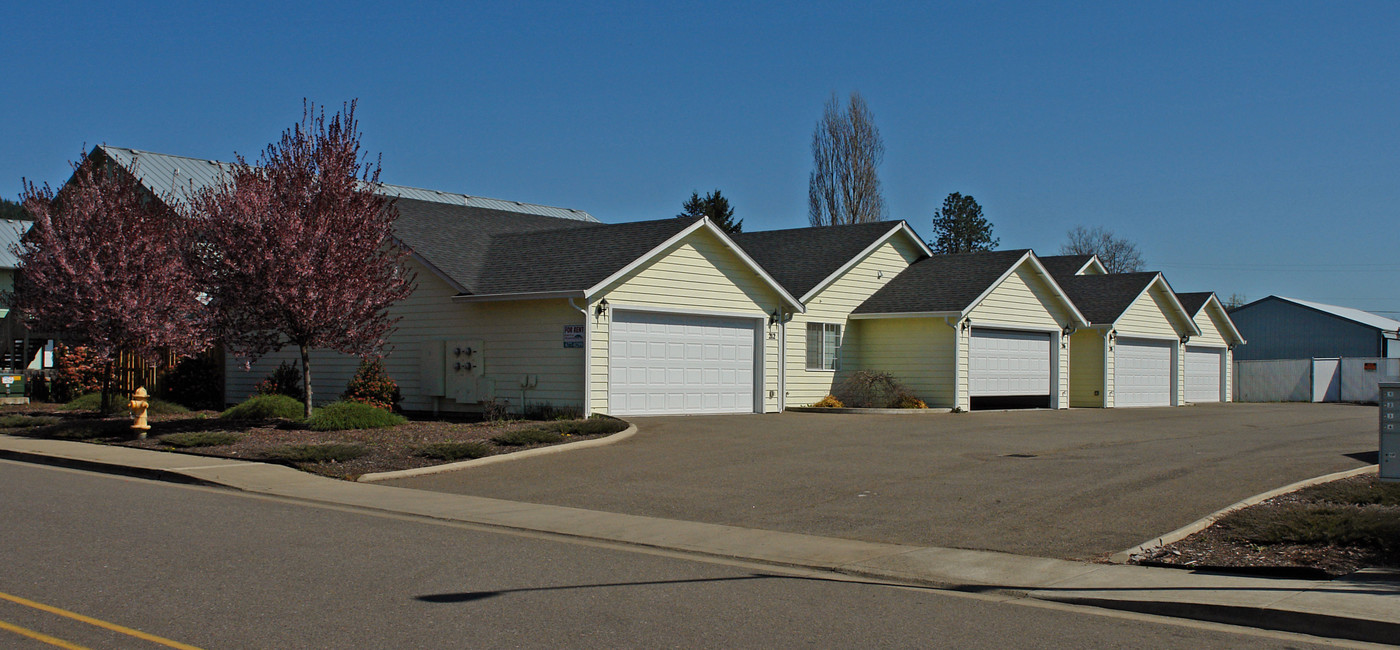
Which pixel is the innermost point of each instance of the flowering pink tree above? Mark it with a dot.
(108, 265)
(300, 248)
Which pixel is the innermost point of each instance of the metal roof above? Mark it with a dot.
(180, 176)
(1363, 317)
(10, 232)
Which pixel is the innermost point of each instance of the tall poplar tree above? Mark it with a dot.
(844, 186)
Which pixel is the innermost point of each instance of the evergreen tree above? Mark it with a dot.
(714, 206)
(961, 228)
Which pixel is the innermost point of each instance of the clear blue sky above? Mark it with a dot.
(1246, 147)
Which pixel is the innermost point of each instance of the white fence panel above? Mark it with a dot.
(1361, 378)
(1273, 380)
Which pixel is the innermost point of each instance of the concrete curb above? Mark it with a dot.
(824, 409)
(1122, 557)
(624, 434)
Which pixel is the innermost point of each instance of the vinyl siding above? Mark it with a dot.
(698, 274)
(517, 338)
(834, 304)
(1086, 363)
(1024, 300)
(917, 351)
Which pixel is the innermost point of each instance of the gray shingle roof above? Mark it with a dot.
(1194, 301)
(1064, 265)
(800, 258)
(1103, 298)
(942, 283)
(492, 251)
(570, 259)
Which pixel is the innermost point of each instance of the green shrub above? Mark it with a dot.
(591, 426)
(200, 439)
(86, 402)
(547, 411)
(372, 386)
(333, 452)
(285, 380)
(455, 450)
(196, 382)
(352, 415)
(25, 421)
(536, 436)
(265, 407)
(874, 389)
(93, 402)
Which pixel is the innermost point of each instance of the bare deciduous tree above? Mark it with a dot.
(1117, 254)
(846, 151)
(1236, 300)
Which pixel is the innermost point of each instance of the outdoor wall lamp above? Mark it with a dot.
(602, 307)
(773, 317)
(1185, 338)
(1068, 330)
(967, 324)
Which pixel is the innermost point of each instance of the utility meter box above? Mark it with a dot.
(1390, 432)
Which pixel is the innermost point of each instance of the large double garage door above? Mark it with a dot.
(1009, 369)
(670, 364)
(1142, 372)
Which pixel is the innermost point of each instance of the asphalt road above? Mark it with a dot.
(219, 569)
(1073, 484)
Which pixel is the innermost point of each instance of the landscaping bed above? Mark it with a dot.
(344, 454)
(1322, 531)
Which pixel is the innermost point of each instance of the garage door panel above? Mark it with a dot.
(1142, 373)
(1203, 374)
(672, 363)
(1008, 363)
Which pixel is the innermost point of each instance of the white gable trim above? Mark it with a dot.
(857, 259)
(1080, 320)
(704, 223)
(1225, 315)
(1186, 317)
(1093, 263)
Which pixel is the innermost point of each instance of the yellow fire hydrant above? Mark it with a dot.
(138, 406)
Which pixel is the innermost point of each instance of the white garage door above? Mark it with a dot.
(666, 364)
(1142, 373)
(1203, 374)
(1005, 363)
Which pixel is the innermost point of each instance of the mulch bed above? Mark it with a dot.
(392, 448)
(1219, 549)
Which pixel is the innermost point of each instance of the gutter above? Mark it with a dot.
(587, 357)
(524, 295)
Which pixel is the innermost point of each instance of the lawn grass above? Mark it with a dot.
(338, 452)
(1353, 513)
(533, 436)
(17, 421)
(200, 439)
(93, 402)
(342, 416)
(456, 450)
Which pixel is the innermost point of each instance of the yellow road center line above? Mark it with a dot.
(39, 636)
(97, 622)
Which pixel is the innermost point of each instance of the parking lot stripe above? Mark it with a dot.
(39, 636)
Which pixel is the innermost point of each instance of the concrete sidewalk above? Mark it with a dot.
(1362, 607)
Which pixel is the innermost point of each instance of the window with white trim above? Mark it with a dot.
(823, 346)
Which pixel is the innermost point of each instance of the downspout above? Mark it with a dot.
(587, 357)
(782, 361)
(952, 322)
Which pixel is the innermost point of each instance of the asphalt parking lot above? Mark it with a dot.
(1072, 484)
